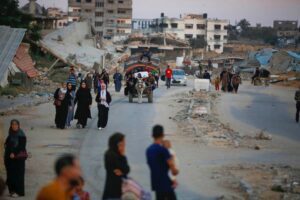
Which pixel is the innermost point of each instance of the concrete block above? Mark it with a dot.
(202, 85)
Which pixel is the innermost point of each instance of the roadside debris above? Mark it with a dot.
(261, 181)
(198, 118)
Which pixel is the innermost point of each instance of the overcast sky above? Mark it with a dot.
(257, 11)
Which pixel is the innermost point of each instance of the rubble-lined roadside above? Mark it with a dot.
(260, 181)
(198, 118)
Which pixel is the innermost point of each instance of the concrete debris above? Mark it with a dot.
(261, 181)
(198, 118)
(71, 45)
(161, 39)
(263, 136)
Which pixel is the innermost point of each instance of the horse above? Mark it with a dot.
(140, 87)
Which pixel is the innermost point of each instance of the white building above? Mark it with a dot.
(216, 34)
(213, 31)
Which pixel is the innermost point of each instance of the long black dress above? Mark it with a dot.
(62, 109)
(15, 168)
(103, 110)
(113, 183)
(83, 100)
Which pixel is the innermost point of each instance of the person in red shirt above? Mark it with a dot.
(169, 74)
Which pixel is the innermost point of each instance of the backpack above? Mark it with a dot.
(131, 190)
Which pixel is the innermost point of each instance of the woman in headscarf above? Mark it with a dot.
(71, 95)
(83, 100)
(62, 103)
(103, 99)
(14, 159)
(116, 166)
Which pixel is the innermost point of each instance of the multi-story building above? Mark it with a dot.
(286, 29)
(191, 26)
(216, 34)
(109, 17)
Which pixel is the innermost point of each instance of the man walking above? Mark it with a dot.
(118, 81)
(72, 79)
(297, 98)
(169, 74)
(160, 163)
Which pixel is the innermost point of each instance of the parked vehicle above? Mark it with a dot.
(179, 77)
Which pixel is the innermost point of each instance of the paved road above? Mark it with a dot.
(253, 109)
(262, 108)
(135, 121)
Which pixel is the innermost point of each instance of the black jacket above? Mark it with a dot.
(108, 97)
(113, 183)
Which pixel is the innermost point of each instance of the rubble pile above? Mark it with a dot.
(198, 118)
(260, 181)
(156, 39)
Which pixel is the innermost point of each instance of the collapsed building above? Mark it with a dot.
(16, 65)
(271, 59)
(161, 44)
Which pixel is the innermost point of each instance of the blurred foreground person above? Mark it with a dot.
(14, 159)
(2, 187)
(297, 99)
(68, 172)
(116, 166)
(80, 194)
(160, 162)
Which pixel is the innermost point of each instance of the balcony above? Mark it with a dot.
(125, 6)
(219, 31)
(115, 25)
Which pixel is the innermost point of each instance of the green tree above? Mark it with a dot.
(244, 24)
(11, 16)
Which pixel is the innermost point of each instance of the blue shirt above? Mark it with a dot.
(72, 79)
(157, 157)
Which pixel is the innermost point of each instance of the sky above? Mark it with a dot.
(256, 11)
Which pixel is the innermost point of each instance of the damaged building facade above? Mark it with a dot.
(110, 18)
(190, 26)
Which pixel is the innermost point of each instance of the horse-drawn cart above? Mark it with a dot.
(138, 75)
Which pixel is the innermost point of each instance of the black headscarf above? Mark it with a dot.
(114, 141)
(14, 135)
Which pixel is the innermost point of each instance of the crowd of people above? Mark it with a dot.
(229, 81)
(68, 96)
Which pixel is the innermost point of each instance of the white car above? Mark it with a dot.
(179, 77)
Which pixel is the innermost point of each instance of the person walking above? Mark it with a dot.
(61, 103)
(217, 83)
(118, 81)
(89, 80)
(160, 162)
(103, 100)
(169, 74)
(96, 82)
(14, 159)
(68, 172)
(83, 100)
(116, 166)
(104, 77)
(236, 80)
(206, 75)
(71, 94)
(72, 79)
(297, 99)
(224, 77)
